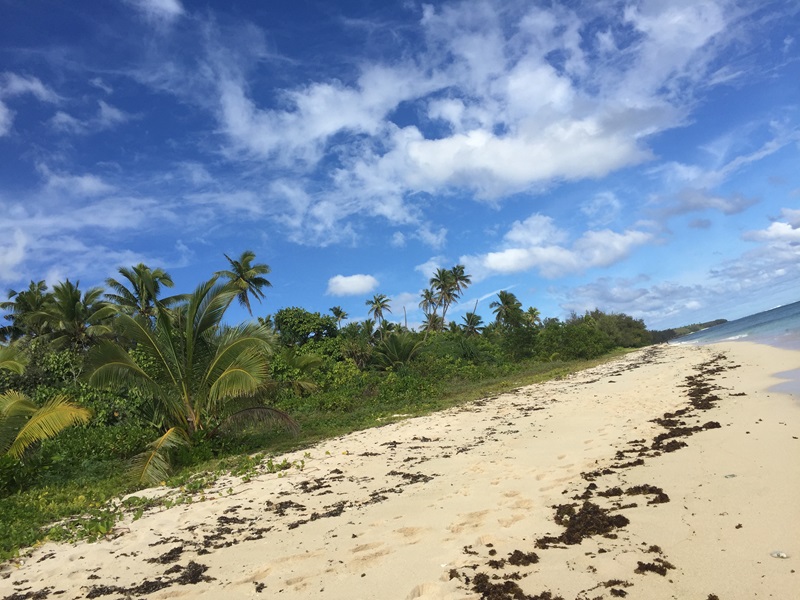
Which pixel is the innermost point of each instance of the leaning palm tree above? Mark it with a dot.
(140, 296)
(247, 278)
(199, 372)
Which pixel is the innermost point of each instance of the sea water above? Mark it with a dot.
(776, 327)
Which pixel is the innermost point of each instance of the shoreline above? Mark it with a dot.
(461, 503)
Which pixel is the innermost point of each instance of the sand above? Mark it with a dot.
(462, 504)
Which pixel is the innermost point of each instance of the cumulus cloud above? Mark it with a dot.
(537, 243)
(351, 285)
(783, 231)
(501, 102)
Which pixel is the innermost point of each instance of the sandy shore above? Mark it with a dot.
(565, 489)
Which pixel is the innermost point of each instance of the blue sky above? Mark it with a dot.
(638, 157)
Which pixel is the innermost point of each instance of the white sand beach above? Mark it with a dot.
(461, 504)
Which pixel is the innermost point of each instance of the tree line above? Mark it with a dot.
(151, 378)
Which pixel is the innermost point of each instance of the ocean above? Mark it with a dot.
(776, 327)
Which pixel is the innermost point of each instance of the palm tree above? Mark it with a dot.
(448, 285)
(533, 316)
(198, 371)
(339, 315)
(142, 295)
(432, 322)
(247, 278)
(397, 349)
(507, 309)
(444, 287)
(76, 319)
(428, 302)
(22, 422)
(473, 324)
(378, 305)
(460, 279)
(24, 308)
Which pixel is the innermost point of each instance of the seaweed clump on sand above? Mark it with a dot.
(505, 590)
(589, 521)
(659, 497)
(659, 566)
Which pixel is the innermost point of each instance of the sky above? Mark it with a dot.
(633, 156)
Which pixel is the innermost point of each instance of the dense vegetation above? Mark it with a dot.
(91, 380)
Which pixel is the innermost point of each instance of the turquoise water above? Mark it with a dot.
(777, 327)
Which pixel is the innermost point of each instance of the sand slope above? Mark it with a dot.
(461, 504)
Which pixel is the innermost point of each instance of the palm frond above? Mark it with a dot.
(153, 465)
(45, 422)
(12, 360)
(264, 415)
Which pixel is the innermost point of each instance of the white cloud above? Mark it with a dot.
(6, 119)
(779, 232)
(434, 239)
(76, 185)
(351, 285)
(12, 84)
(537, 243)
(12, 253)
(107, 117)
(398, 239)
(428, 268)
(158, 11)
(602, 209)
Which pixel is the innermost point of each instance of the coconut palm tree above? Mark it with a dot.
(473, 324)
(507, 309)
(198, 371)
(140, 296)
(428, 303)
(338, 314)
(24, 311)
(247, 278)
(533, 317)
(74, 318)
(432, 322)
(460, 279)
(378, 305)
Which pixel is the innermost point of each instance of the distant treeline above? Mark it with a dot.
(666, 335)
